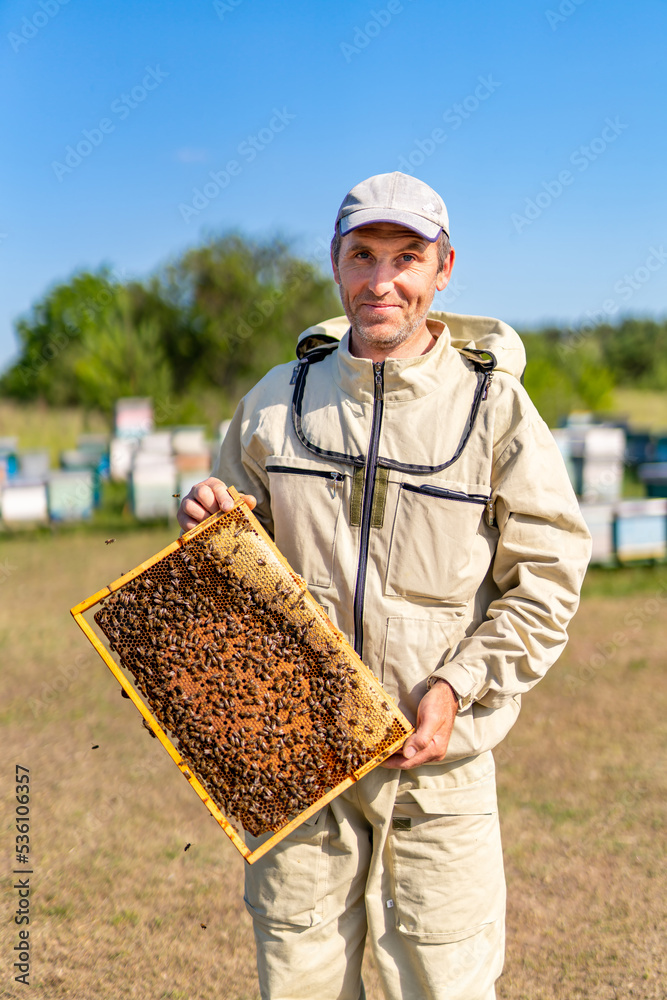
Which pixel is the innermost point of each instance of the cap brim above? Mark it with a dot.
(366, 216)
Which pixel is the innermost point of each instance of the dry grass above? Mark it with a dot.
(118, 904)
(644, 408)
(582, 797)
(55, 429)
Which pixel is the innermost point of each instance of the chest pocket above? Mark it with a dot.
(441, 545)
(306, 505)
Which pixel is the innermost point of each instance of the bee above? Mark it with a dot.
(108, 541)
(95, 746)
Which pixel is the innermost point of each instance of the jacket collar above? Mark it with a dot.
(404, 378)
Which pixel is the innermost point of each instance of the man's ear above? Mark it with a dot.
(335, 270)
(443, 277)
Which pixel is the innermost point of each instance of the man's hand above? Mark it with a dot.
(435, 718)
(205, 499)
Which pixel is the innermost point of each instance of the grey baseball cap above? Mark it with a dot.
(396, 198)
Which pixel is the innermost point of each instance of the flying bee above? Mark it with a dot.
(108, 541)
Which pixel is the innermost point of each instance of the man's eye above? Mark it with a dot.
(408, 257)
(364, 254)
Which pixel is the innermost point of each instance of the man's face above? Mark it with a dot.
(388, 276)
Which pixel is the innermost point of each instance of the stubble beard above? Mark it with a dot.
(376, 335)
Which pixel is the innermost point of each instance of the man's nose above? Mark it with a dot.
(381, 279)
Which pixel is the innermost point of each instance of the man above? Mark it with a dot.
(405, 474)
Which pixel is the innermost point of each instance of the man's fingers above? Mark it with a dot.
(203, 500)
(425, 756)
(435, 718)
(213, 496)
(207, 498)
(428, 723)
(434, 751)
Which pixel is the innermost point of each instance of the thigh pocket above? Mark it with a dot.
(288, 884)
(435, 543)
(446, 861)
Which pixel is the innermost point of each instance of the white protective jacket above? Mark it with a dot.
(427, 506)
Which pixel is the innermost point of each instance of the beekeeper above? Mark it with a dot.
(405, 474)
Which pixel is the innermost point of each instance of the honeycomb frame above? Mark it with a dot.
(273, 712)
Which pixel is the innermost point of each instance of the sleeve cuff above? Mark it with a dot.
(459, 678)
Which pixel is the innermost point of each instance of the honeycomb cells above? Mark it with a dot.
(266, 703)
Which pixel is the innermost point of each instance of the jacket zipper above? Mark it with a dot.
(439, 491)
(290, 470)
(333, 477)
(367, 505)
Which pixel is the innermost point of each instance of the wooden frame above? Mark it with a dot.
(77, 613)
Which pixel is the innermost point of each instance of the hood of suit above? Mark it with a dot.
(478, 333)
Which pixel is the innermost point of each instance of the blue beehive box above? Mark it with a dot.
(654, 477)
(638, 447)
(640, 530)
(660, 449)
(9, 463)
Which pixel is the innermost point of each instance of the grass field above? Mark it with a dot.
(43, 427)
(643, 408)
(118, 905)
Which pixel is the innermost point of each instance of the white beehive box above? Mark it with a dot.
(599, 518)
(34, 464)
(153, 483)
(121, 455)
(188, 440)
(133, 416)
(25, 501)
(71, 495)
(601, 480)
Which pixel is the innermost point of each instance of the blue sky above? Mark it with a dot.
(542, 124)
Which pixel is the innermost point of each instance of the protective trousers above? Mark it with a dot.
(412, 860)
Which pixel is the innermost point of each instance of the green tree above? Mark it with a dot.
(244, 304)
(565, 373)
(636, 352)
(194, 336)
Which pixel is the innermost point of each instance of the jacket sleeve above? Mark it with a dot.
(542, 553)
(237, 467)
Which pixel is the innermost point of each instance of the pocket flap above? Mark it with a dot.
(476, 799)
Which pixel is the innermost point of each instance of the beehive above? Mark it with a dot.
(262, 703)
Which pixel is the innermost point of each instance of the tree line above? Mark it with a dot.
(197, 334)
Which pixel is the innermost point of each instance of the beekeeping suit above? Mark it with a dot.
(426, 505)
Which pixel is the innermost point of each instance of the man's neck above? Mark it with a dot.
(420, 342)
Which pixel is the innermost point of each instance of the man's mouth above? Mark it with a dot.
(381, 305)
